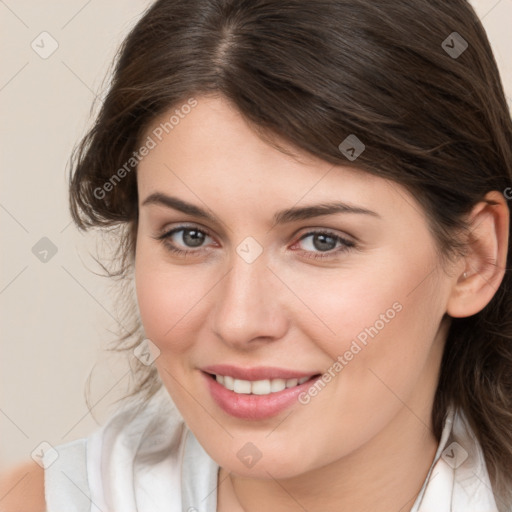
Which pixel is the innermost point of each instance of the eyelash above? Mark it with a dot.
(347, 244)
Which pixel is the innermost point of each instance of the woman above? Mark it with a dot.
(312, 204)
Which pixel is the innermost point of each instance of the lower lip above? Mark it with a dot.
(255, 407)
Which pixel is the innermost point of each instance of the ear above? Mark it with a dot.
(484, 265)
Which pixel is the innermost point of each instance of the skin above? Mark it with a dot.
(22, 488)
(365, 442)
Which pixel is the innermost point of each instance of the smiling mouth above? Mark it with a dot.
(259, 387)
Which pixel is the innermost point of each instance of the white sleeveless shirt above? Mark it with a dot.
(145, 459)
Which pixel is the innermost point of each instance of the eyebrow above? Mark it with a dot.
(281, 217)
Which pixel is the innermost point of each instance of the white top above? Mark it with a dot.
(148, 460)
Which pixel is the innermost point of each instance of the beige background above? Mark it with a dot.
(55, 315)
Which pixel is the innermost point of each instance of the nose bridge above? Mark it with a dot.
(247, 301)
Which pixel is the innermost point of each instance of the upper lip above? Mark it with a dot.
(256, 373)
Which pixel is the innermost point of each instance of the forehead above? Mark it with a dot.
(212, 153)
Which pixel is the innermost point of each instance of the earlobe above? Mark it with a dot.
(486, 257)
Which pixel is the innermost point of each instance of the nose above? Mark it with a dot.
(249, 305)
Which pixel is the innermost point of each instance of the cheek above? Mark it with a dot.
(171, 299)
(359, 303)
(382, 319)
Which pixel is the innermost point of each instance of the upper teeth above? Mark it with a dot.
(258, 387)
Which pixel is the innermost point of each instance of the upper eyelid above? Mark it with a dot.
(183, 227)
(308, 232)
(209, 232)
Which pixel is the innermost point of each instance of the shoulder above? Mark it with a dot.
(22, 488)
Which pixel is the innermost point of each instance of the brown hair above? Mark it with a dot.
(312, 73)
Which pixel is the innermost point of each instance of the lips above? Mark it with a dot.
(250, 398)
(258, 373)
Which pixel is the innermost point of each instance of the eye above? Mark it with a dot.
(187, 236)
(320, 244)
(327, 243)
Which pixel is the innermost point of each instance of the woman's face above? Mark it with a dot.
(355, 295)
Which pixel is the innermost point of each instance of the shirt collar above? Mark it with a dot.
(458, 480)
